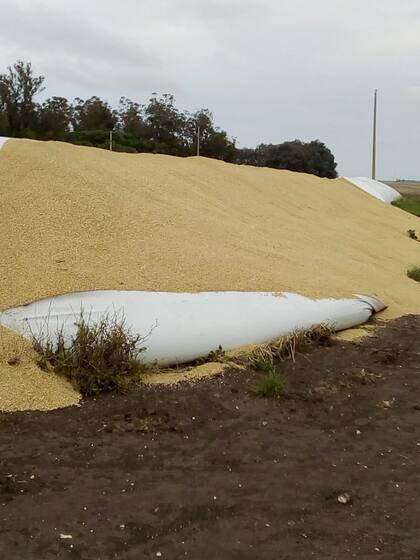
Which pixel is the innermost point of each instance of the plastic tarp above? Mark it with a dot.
(180, 327)
(375, 188)
(3, 140)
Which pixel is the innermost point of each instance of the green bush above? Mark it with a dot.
(121, 142)
(412, 234)
(100, 357)
(414, 273)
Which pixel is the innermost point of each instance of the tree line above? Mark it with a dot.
(157, 126)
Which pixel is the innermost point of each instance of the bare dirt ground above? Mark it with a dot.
(408, 189)
(210, 471)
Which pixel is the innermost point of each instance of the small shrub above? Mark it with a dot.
(286, 347)
(412, 234)
(217, 355)
(271, 385)
(100, 357)
(414, 273)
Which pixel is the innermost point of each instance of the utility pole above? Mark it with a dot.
(110, 139)
(198, 139)
(375, 105)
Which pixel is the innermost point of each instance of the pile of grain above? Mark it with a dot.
(23, 386)
(190, 374)
(75, 218)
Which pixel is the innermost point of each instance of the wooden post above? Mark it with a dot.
(374, 135)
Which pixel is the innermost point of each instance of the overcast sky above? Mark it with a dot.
(270, 70)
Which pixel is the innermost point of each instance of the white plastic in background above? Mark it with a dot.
(375, 188)
(3, 140)
(186, 326)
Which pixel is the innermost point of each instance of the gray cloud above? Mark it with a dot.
(269, 69)
(71, 48)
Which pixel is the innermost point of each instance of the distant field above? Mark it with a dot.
(411, 205)
(408, 189)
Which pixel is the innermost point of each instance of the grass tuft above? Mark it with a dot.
(262, 358)
(260, 364)
(100, 357)
(414, 273)
(270, 386)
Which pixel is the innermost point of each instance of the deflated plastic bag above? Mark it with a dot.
(181, 327)
(375, 188)
(3, 140)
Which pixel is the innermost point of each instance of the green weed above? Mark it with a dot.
(217, 355)
(101, 357)
(270, 386)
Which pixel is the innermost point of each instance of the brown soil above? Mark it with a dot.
(210, 471)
